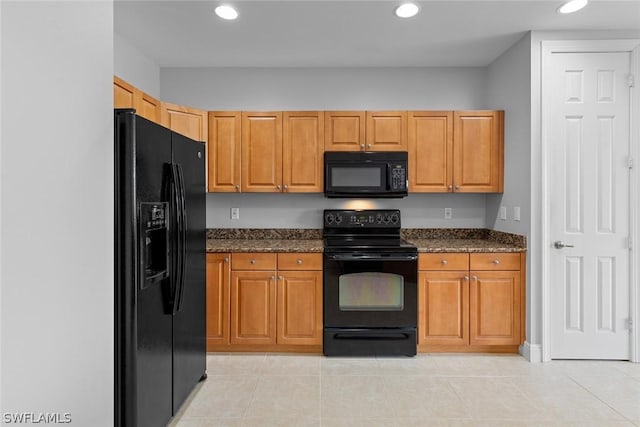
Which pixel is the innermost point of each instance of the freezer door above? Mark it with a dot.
(143, 323)
(189, 323)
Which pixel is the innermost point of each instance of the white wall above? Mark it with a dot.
(305, 210)
(57, 210)
(327, 89)
(134, 67)
(509, 88)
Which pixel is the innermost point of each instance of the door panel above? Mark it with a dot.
(300, 307)
(431, 151)
(261, 151)
(588, 129)
(302, 151)
(253, 307)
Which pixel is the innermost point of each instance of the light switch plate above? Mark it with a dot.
(448, 213)
(503, 213)
(516, 213)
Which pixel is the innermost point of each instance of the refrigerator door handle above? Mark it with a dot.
(182, 237)
(177, 226)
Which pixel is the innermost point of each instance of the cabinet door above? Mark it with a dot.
(430, 151)
(223, 151)
(386, 131)
(494, 307)
(302, 151)
(253, 307)
(344, 130)
(189, 122)
(478, 151)
(262, 152)
(443, 308)
(300, 307)
(218, 280)
(147, 106)
(123, 93)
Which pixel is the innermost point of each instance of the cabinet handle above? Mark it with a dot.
(226, 259)
(496, 261)
(253, 261)
(444, 262)
(299, 262)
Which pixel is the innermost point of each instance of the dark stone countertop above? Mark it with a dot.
(310, 240)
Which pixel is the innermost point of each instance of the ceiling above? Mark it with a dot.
(351, 33)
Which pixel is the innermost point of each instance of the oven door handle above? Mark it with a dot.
(372, 257)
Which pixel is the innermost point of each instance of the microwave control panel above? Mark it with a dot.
(398, 177)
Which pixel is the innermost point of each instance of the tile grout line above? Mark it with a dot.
(598, 398)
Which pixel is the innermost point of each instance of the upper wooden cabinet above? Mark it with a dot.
(386, 131)
(223, 150)
(344, 130)
(261, 151)
(302, 151)
(478, 151)
(187, 121)
(430, 151)
(461, 151)
(126, 95)
(365, 131)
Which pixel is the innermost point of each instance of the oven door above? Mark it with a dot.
(365, 289)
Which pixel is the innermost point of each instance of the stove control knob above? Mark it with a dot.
(395, 218)
(387, 219)
(328, 218)
(338, 219)
(379, 218)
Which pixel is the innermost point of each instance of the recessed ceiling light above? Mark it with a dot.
(226, 12)
(407, 10)
(572, 6)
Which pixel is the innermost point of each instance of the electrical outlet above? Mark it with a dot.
(448, 213)
(235, 213)
(516, 213)
(503, 213)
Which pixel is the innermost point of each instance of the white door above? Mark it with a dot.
(588, 104)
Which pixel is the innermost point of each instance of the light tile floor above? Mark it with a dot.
(428, 390)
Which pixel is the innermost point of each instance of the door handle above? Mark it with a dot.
(559, 244)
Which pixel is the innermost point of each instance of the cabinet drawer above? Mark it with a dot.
(253, 261)
(443, 261)
(495, 261)
(300, 261)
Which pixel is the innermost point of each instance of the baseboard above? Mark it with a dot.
(531, 352)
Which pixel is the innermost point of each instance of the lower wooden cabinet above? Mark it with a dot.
(471, 302)
(274, 302)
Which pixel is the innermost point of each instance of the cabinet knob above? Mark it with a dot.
(278, 187)
(273, 277)
(226, 259)
(253, 261)
(299, 262)
(496, 261)
(444, 262)
(286, 187)
(279, 277)
(237, 187)
(466, 278)
(368, 145)
(457, 187)
(361, 145)
(475, 278)
(450, 187)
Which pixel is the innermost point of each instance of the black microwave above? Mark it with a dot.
(365, 174)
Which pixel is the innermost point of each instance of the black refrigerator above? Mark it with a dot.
(160, 243)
